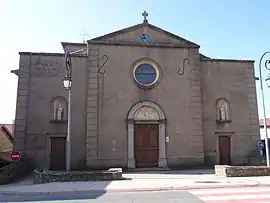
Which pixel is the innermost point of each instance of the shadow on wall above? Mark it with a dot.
(3, 163)
(13, 171)
(255, 159)
(5, 156)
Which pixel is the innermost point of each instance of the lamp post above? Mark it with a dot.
(264, 114)
(68, 84)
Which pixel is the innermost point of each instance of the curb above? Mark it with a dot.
(159, 189)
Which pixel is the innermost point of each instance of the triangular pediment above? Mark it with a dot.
(156, 34)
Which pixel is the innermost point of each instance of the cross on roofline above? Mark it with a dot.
(145, 14)
(83, 35)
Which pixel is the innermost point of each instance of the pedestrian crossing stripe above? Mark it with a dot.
(239, 195)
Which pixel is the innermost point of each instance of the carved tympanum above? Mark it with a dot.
(146, 113)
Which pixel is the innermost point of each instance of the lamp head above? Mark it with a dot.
(67, 83)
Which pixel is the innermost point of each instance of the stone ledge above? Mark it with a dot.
(44, 176)
(58, 121)
(223, 122)
(241, 171)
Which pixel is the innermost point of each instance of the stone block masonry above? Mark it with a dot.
(56, 176)
(241, 171)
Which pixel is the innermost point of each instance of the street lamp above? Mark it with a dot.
(67, 82)
(67, 85)
(264, 114)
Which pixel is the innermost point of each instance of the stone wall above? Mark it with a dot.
(107, 144)
(39, 84)
(234, 81)
(241, 171)
(54, 176)
(14, 171)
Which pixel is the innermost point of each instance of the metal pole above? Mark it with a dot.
(264, 114)
(68, 132)
(69, 75)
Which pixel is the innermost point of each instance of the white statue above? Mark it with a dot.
(222, 113)
(59, 112)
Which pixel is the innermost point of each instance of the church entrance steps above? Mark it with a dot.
(147, 169)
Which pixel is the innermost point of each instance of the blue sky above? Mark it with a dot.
(224, 29)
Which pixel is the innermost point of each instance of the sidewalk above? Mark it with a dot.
(154, 181)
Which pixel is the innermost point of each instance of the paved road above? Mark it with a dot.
(218, 195)
(135, 197)
(234, 195)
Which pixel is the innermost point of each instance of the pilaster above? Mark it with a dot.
(252, 102)
(92, 105)
(195, 108)
(20, 129)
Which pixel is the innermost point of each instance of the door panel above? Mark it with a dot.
(224, 150)
(146, 145)
(58, 149)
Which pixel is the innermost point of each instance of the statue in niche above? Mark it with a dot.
(59, 112)
(222, 113)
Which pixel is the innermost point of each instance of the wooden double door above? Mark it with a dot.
(146, 145)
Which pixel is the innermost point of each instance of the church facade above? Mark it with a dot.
(141, 97)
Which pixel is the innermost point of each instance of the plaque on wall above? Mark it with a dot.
(47, 68)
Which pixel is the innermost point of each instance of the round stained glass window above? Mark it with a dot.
(145, 74)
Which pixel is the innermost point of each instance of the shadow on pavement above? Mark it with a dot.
(47, 192)
(99, 186)
(135, 197)
(27, 186)
(50, 197)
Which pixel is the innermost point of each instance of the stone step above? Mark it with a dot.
(146, 169)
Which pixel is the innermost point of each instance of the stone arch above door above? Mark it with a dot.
(147, 112)
(146, 105)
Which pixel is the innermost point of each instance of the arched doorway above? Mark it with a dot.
(146, 136)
